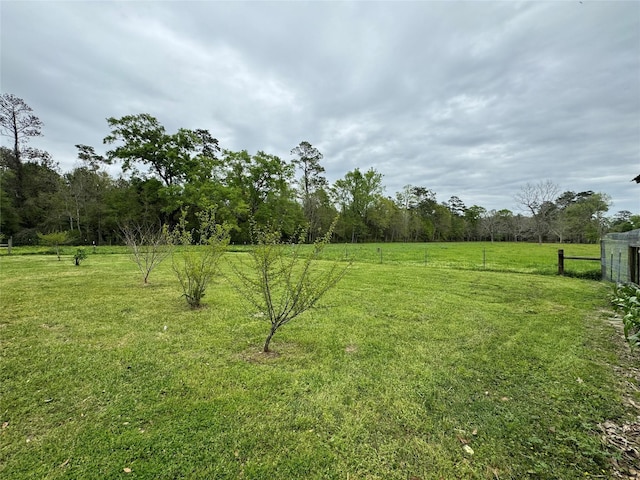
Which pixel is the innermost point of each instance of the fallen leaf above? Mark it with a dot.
(504, 399)
(126, 470)
(475, 432)
(468, 449)
(633, 404)
(462, 440)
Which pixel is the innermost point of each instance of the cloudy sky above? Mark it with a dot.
(473, 99)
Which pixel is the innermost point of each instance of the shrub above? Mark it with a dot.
(285, 280)
(148, 245)
(196, 267)
(80, 255)
(626, 300)
(28, 236)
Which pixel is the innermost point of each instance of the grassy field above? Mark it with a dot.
(498, 256)
(411, 370)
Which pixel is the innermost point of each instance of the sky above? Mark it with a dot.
(468, 99)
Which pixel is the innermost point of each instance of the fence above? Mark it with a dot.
(562, 257)
(7, 245)
(621, 257)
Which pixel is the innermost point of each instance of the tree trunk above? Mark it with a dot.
(265, 349)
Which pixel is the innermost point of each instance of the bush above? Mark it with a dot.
(286, 279)
(27, 236)
(149, 245)
(196, 267)
(626, 300)
(80, 255)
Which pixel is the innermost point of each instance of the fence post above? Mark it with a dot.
(560, 262)
(611, 268)
(619, 265)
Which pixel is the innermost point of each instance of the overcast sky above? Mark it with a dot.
(473, 99)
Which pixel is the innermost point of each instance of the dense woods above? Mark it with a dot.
(162, 174)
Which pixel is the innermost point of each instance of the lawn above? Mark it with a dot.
(488, 256)
(410, 370)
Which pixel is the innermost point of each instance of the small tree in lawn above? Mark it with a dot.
(54, 239)
(284, 280)
(196, 263)
(148, 244)
(79, 256)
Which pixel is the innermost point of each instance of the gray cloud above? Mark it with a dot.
(473, 99)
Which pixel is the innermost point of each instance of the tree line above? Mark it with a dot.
(164, 174)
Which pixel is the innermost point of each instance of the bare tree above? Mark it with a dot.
(538, 199)
(148, 245)
(490, 222)
(285, 280)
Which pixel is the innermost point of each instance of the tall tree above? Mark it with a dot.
(86, 211)
(41, 185)
(539, 199)
(185, 162)
(356, 194)
(262, 184)
(458, 221)
(18, 122)
(311, 181)
(490, 224)
(586, 216)
(506, 222)
(473, 217)
(624, 221)
(381, 214)
(173, 158)
(9, 219)
(406, 202)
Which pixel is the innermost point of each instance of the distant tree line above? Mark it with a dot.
(164, 174)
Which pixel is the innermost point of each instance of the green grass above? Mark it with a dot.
(497, 256)
(404, 367)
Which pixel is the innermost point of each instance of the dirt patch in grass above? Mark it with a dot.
(254, 354)
(260, 356)
(624, 437)
(351, 348)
